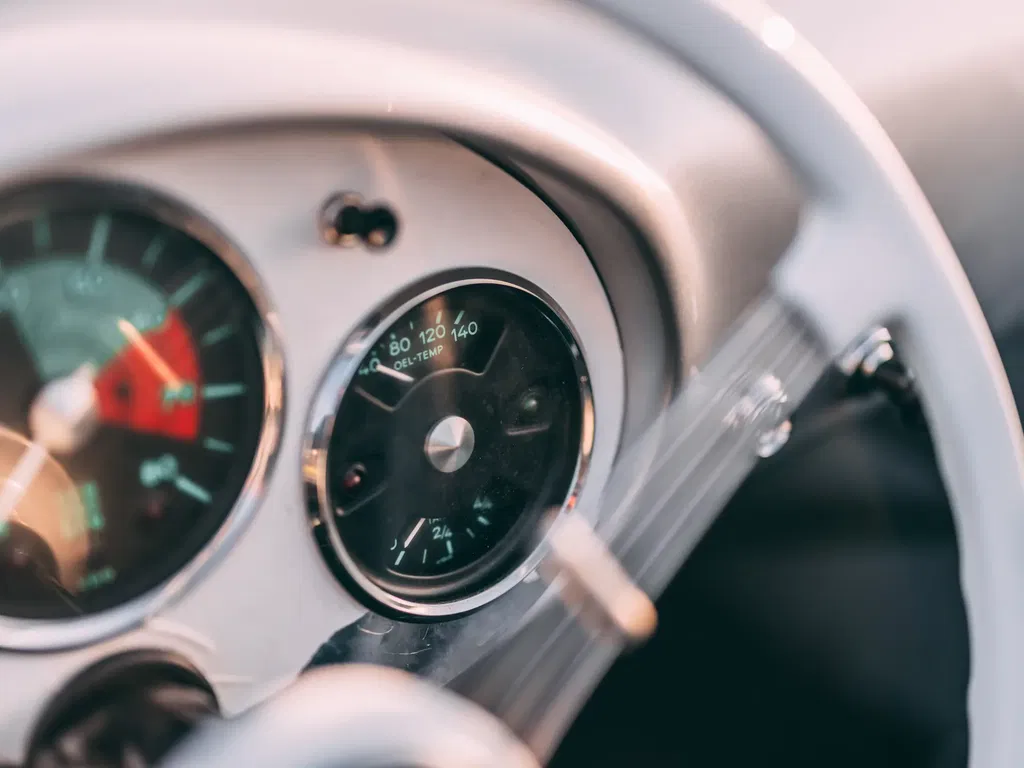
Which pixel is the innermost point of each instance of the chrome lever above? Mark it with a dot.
(593, 584)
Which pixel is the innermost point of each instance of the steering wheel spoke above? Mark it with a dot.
(869, 251)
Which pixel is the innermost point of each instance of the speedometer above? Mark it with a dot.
(133, 399)
(465, 418)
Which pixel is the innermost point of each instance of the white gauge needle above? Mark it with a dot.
(62, 417)
(411, 536)
(21, 477)
(153, 358)
(397, 375)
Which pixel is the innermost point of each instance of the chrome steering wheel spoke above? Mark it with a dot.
(870, 251)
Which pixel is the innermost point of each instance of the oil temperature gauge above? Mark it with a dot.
(440, 447)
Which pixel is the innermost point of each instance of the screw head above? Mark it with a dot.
(762, 407)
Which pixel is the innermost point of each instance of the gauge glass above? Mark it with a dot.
(132, 401)
(460, 427)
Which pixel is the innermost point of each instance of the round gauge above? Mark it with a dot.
(132, 403)
(464, 419)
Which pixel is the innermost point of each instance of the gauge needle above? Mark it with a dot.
(64, 414)
(157, 363)
(411, 536)
(405, 378)
(62, 418)
(21, 477)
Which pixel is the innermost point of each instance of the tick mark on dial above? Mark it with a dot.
(189, 289)
(217, 334)
(153, 251)
(218, 391)
(98, 239)
(217, 446)
(193, 489)
(41, 238)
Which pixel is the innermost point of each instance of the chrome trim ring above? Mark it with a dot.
(60, 634)
(320, 428)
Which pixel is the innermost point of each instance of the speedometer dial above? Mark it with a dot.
(467, 418)
(132, 403)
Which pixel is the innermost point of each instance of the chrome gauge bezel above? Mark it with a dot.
(62, 634)
(320, 428)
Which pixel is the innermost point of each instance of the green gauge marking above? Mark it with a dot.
(90, 494)
(153, 472)
(191, 488)
(81, 512)
(164, 469)
(217, 334)
(41, 239)
(217, 446)
(97, 579)
(88, 297)
(183, 393)
(98, 240)
(218, 391)
(189, 289)
(153, 251)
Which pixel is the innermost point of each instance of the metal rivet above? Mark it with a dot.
(762, 407)
(769, 443)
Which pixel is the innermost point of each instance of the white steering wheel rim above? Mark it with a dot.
(871, 250)
(358, 716)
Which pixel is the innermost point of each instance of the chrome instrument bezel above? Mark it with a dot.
(320, 427)
(62, 634)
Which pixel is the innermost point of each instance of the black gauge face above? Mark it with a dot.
(131, 404)
(460, 427)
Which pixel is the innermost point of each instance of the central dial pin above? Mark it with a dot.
(450, 444)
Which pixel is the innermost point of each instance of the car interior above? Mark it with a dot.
(456, 385)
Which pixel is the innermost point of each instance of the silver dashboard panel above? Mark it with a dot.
(259, 614)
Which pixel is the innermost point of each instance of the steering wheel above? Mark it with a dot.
(869, 251)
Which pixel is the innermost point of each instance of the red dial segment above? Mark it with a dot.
(152, 385)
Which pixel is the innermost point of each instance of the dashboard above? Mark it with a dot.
(285, 388)
(222, 385)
